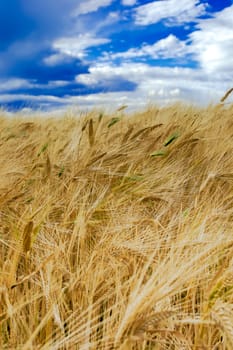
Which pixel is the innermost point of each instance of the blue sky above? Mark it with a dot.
(57, 53)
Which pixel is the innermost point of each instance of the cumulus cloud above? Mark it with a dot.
(172, 11)
(139, 73)
(59, 74)
(212, 53)
(157, 84)
(77, 46)
(169, 47)
(212, 43)
(88, 6)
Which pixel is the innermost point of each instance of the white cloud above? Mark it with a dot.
(112, 18)
(88, 6)
(26, 98)
(86, 79)
(77, 46)
(129, 2)
(54, 59)
(169, 47)
(155, 84)
(139, 73)
(6, 86)
(212, 43)
(159, 85)
(14, 84)
(172, 11)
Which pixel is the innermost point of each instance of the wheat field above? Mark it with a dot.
(116, 230)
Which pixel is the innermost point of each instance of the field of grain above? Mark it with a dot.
(116, 231)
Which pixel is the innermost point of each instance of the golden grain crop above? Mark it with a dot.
(116, 230)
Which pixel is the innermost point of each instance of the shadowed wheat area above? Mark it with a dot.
(116, 231)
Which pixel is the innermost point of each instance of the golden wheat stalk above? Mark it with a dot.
(126, 250)
(91, 133)
(27, 237)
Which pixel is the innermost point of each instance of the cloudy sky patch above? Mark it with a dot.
(106, 52)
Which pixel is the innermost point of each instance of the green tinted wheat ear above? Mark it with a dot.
(100, 117)
(121, 108)
(226, 95)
